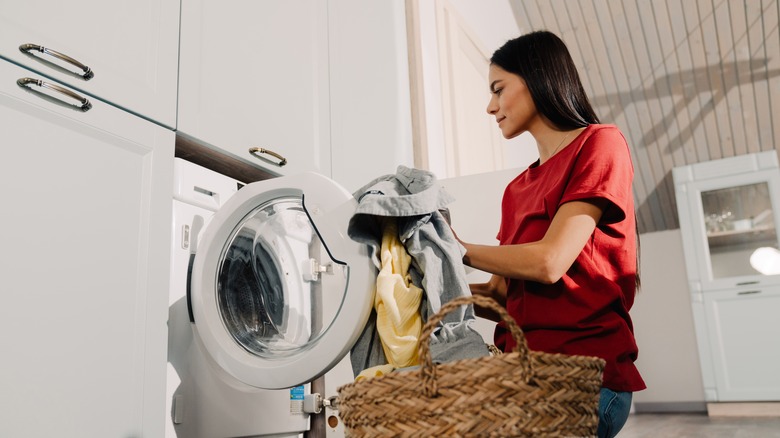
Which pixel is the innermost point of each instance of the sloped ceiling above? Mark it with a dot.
(686, 80)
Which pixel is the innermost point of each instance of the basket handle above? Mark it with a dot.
(428, 370)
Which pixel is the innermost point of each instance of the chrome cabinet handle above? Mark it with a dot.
(746, 283)
(88, 73)
(85, 104)
(259, 151)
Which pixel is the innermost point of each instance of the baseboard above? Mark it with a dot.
(669, 407)
(744, 409)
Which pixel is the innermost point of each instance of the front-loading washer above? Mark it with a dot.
(267, 293)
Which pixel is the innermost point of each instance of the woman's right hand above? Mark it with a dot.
(495, 288)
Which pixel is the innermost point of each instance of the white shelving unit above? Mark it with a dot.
(729, 221)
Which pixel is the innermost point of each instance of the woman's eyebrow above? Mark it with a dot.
(493, 85)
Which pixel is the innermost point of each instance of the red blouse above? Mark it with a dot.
(586, 311)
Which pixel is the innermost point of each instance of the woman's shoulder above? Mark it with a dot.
(604, 136)
(602, 130)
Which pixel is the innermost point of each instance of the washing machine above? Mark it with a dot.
(267, 293)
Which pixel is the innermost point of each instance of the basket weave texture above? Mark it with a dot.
(522, 393)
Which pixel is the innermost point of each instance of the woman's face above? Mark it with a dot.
(510, 102)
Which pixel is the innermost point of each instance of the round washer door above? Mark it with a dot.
(279, 292)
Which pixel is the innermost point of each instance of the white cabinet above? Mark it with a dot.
(85, 246)
(728, 210)
(254, 74)
(130, 46)
(371, 128)
(728, 213)
(742, 329)
(323, 84)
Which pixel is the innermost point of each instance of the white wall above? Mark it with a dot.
(491, 20)
(493, 23)
(663, 325)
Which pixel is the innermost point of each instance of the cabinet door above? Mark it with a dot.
(84, 265)
(369, 82)
(131, 46)
(743, 329)
(729, 223)
(255, 74)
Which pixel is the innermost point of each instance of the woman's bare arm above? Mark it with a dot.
(548, 259)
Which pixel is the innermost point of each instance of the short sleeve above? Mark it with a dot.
(603, 170)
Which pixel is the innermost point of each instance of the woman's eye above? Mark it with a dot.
(498, 91)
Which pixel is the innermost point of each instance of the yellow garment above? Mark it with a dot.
(397, 301)
(377, 371)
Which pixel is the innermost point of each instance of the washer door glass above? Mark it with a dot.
(270, 281)
(278, 292)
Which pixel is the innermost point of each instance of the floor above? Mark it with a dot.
(699, 425)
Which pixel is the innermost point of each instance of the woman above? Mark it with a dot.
(566, 266)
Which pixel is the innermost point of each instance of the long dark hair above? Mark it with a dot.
(544, 63)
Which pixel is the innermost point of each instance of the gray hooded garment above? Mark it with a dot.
(416, 199)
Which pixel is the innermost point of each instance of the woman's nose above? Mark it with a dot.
(491, 106)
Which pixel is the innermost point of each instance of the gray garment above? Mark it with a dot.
(415, 198)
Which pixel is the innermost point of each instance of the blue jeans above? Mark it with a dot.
(613, 412)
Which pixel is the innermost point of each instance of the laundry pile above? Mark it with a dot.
(419, 262)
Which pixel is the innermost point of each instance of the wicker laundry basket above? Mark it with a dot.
(522, 393)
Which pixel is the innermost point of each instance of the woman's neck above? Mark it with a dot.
(552, 141)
